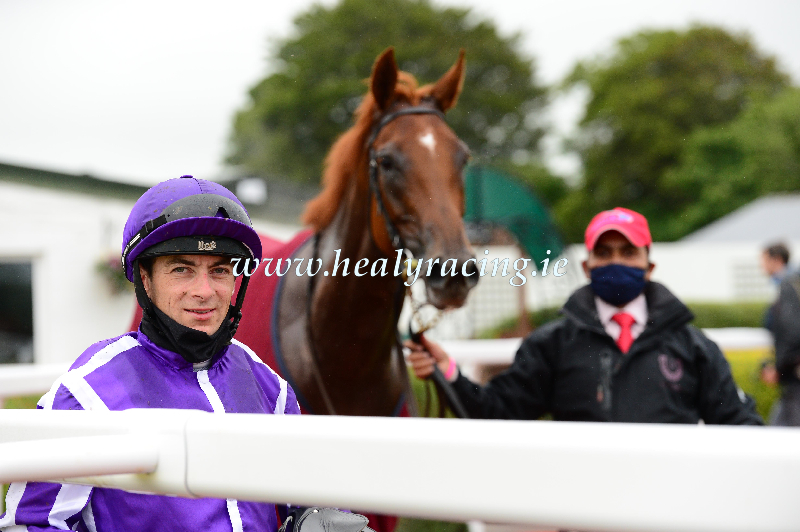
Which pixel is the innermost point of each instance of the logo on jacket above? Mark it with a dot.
(203, 246)
(671, 368)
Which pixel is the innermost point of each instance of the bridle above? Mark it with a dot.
(374, 186)
(376, 193)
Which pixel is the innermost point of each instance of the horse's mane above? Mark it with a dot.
(341, 163)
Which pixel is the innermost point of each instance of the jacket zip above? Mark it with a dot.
(604, 390)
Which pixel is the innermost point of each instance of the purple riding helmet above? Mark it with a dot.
(177, 217)
(187, 216)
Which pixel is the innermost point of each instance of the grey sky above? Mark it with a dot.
(146, 91)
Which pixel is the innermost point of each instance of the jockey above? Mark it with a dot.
(178, 247)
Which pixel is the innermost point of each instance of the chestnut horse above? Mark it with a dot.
(392, 182)
(392, 185)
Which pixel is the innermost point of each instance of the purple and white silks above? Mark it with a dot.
(131, 372)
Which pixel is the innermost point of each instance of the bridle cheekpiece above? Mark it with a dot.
(374, 186)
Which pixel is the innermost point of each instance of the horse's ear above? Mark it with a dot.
(384, 78)
(446, 90)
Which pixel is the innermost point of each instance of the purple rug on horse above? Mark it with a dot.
(258, 327)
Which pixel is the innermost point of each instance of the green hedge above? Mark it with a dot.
(22, 402)
(716, 315)
(707, 316)
(746, 370)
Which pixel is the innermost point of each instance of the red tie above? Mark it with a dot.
(625, 338)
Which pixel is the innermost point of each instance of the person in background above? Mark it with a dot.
(783, 321)
(775, 261)
(775, 264)
(623, 351)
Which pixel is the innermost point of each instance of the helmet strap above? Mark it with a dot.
(138, 287)
(235, 311)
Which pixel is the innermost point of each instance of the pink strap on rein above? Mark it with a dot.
(451, 369)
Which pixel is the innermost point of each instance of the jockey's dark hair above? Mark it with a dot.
(147, 264)
(778, 251)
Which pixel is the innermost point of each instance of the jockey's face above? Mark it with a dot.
(194, 290)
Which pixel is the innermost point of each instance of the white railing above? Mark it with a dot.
(731, 338)
(18, 380)
(30, 379)
(596, 476)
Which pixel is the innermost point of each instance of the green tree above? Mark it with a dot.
(296, 112)
(646, 100)
(725, 167)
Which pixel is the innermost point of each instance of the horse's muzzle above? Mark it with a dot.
(449, 281)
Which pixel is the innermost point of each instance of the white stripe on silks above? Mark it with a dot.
(84, 393)
(211, 393)
(233, 513)
(70, 500)
(14, 495)
(280, 402)
(16, 528)
(88, 517)
(219, 408)
(98, 359)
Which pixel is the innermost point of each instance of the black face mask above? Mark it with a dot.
(193, 345)
(617, 284)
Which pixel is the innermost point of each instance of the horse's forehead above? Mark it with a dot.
(428, 140)
(429, 135)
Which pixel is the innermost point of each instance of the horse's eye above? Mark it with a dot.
(387, 163)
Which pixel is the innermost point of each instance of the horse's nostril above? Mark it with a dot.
(472, 277)
(471, 268)
(435, 278)
(463, 273)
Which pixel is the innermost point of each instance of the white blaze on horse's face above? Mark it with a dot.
(428, 141)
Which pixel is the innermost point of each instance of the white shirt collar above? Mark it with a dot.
(636, 308)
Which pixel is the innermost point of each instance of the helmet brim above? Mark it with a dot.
(191, 227)
(199, 245)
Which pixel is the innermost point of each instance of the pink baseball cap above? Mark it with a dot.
(631, 224)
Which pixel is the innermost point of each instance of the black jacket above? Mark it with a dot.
(572, 369)
(785, 328)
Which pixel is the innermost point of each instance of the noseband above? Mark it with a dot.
(374, 185)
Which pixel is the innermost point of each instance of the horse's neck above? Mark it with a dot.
(352, 333)
(355, 314)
